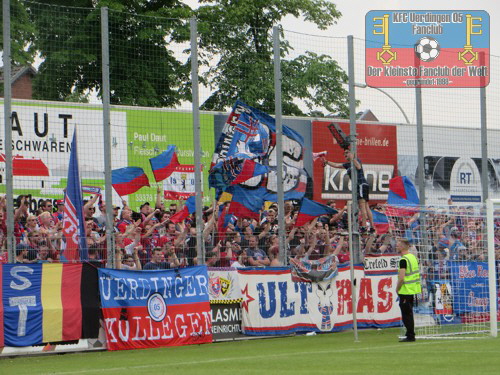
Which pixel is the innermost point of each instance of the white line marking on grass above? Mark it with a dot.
(269, 356)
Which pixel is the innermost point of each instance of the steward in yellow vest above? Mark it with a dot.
(408, 286)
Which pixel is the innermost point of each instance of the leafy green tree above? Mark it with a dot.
(143, 70)
(236, 46)
(21, 33)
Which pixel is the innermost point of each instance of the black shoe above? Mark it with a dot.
(406, 339)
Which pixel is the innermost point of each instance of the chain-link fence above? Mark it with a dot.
(167, 82)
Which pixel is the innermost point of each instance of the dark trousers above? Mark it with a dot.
(406, 306)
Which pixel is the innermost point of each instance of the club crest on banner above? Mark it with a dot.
(214, 286)
(324, 292)
(157, 308)
(225, 286)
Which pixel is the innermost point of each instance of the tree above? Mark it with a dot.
(143, 70)
(21, 34)
(236, 47)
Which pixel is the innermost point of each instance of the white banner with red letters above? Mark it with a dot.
(273, 304)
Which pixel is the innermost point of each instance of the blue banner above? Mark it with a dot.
(145, 309)
(469, 283)
(21, 297)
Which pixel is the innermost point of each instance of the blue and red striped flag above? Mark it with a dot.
(235, 170)
(381, 222)
(249, 169)
(245, 203)
(402, 192)
(403, 198)
(73, 223)
(188, 209)
(164, 164)
(128, 180)
(223, 221)
(310, 209)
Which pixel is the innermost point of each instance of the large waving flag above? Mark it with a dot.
(381, 222)
(403, 198)
(189, 208)
(75, 246)
(245, 203)
(310, 209)
(164, 164)
(128, 180)
(251, 134)
(402, 192)
(235, 170)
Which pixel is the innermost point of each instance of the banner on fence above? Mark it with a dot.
(469, 285)
(381, 264)
(226, 321)
(273, 304)
(442, 297)
(223, 285)
(47, 303)
(155, 308)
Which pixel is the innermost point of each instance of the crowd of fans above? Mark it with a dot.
(149, 240)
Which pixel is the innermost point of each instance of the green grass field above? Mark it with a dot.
(377, 352)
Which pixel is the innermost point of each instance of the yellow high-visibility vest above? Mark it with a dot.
(411, 283)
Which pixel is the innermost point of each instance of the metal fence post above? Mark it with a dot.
(197, 142)
(354, 293)
(484, 139)
(106, 121)
(353, 140)
(420, 145)
(7, 115)
(279, 144)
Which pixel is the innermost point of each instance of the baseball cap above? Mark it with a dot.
(59, 201)
(144, 204)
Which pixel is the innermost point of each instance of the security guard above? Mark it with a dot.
(408, 286)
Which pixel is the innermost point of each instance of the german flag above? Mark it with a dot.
(48, 303)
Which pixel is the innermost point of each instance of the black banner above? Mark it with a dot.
(226, 321)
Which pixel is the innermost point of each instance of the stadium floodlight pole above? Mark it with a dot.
(353, 140)
(196, 141)
(106, 121)
(279, 144)
(492, 285)
(364, 86)
(7, 116)
(353, 278)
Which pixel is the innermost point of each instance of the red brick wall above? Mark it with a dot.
(22, 88)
